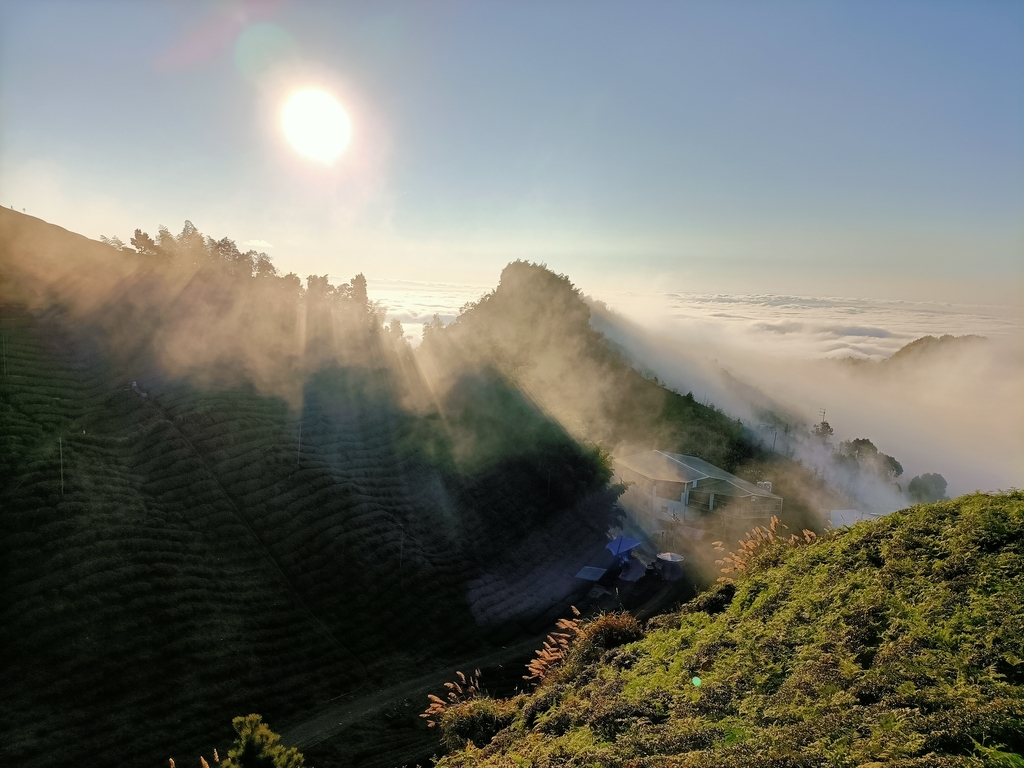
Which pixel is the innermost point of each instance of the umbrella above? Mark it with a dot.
(621, 545)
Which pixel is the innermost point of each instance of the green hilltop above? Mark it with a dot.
(899, 642)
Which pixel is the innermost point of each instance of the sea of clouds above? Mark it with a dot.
(962, 417)
(793, 326)
(810, 327)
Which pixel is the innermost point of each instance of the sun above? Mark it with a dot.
(316, 125)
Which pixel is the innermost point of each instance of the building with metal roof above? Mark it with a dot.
(671, 493)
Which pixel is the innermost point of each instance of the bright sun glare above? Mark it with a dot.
(316, 125)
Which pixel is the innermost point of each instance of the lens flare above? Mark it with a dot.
(316, 125)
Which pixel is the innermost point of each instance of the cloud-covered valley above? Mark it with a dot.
(959, 412)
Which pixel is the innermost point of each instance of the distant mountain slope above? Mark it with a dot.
(927, 350)
(899, 642)
(535, 327)
(935, 347)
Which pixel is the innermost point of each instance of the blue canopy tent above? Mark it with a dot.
(621, 546)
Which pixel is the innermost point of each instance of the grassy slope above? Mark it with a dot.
(899, 642)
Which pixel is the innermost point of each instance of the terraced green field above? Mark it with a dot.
(199, 563)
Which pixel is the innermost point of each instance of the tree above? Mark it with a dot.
(114, 242)
(191, 246)
(823, 430)
(259, 747)
(264, 266)
(318, 288)
(359, 290)
(166, 245)
(867, 455)
(433, 327)
(144, 244)
(224, 251)
(927, 487)
(860, 448)
(892, 467)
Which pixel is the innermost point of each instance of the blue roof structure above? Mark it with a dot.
(621, 545)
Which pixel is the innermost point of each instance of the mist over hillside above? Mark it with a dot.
(226, 489)
(955, 409)
(942, 405)
(224, 492)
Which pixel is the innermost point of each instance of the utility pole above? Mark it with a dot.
(823, 415)
(776, 437)
(298, 451)
(60, 447)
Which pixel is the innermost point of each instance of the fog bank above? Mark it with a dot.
(961, 415)
(956, 411)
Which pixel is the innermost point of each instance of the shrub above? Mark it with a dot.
(475, 721)
(595, 638)
(259, 747)
(555, 648)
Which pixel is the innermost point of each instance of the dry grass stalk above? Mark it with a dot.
(466, 688)
(555, 649)
(203, 763)
(755, 541)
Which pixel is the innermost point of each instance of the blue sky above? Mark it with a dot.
(843, 149)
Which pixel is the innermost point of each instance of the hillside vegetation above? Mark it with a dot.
(289, 504)
(535, 329)
(899, 642)
(255, 534)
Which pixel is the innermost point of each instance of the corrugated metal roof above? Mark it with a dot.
(678, 468)
(658, 465)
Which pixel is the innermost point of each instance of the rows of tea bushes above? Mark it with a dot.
(204, 559)
(137, 610)
(336, 514)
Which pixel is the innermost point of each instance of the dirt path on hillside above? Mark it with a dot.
(346, 711)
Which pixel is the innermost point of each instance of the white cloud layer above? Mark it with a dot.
(963, 419)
